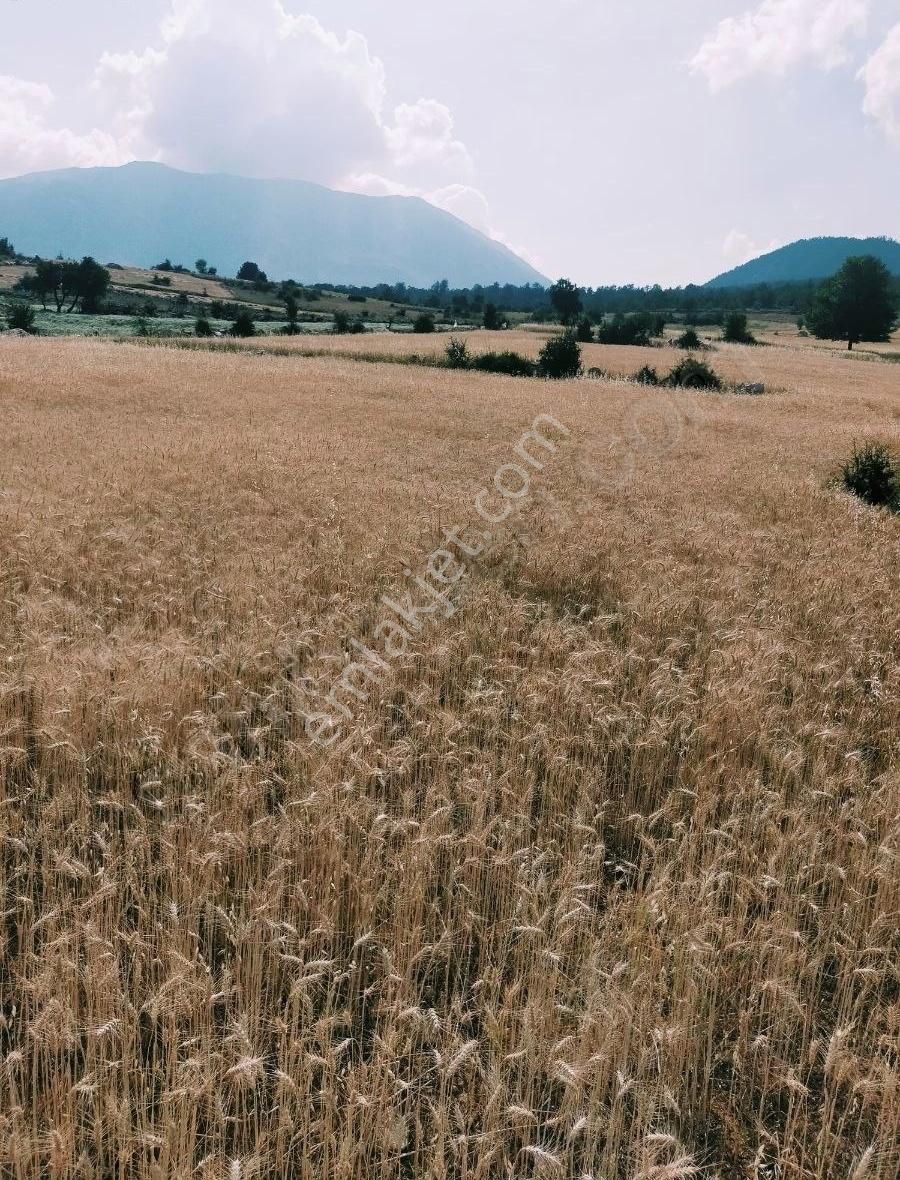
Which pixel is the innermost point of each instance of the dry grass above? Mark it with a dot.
(787, 362)
(607, 884)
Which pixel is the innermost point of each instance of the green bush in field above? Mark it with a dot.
(424, 322)
(243, 325)
(647, 376)
(21, 317)
(693, 374)
(560, 357)
(689, 339)
(872, 474)
(509, 364)
(457, 355)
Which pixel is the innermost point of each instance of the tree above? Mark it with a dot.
(46, 281)
(424, 322)
(566, 300)
(243, 325)
(584, 332)
(736, 329)
(855, 304)
(492, 320)
(201, 266)
(7, 250)
(291, 310)
(250, 273)
(89, 284)
(203, 327)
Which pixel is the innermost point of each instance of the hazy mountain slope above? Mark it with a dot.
(812, 258)
(142, 213)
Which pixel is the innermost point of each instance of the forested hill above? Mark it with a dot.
(812, 258)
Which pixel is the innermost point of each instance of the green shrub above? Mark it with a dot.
(634, 329)
(584, 333)
(647, 376)
(341, 323)
(424, 322)
(357, 326)
(693, 374)
(140, 326)
(689, 339)
(736, 329)
(511, 364)
(872, 474)
(243, 325)
(560, 357)
(202, 327)
(21, 317)
(457, 354)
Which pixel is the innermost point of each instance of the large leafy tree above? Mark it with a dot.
(70, 283)
(855, 304)
(566, 300)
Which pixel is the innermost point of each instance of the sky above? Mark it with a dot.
(610, 142)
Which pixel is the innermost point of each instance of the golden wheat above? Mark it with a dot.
(605, 883)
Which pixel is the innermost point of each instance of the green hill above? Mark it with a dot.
(812, 258)
(141, 213)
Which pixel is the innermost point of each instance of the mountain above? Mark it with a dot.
(812, 258)
(141, 213)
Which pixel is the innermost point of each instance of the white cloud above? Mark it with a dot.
(422, 134)
(779, 34)
(245, 86)
(739, 248)
(29, 144)
(881, 74)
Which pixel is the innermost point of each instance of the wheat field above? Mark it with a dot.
(600, 882)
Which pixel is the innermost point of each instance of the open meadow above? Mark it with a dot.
(594, 874)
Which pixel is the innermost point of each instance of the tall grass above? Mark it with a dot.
(606, 885)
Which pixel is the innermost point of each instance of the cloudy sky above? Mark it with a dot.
(659, 140)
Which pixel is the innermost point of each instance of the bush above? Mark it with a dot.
(584, 333)
(647, 376)
(510, 364)
(243, 325)
(457, 354)
(424, 322)
(21, 317)
(693, 374)
(560, 357)
(341, 324)
(140, 326)
(871, 474)
(203, 327)
(634, 329)
(357, 326)
(689, 339)
(736, 329)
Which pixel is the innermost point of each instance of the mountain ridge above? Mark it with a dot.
(141, 212)
(806, 259)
